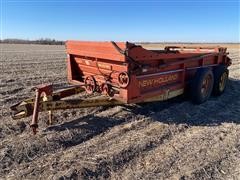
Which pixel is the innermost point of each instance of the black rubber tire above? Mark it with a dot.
(218, 72)
(196, 86)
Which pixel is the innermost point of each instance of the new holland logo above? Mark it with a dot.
(157, 81)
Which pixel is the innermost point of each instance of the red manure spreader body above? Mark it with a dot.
(132, 74)
(127, 73)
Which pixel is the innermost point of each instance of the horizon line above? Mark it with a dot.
(152, 42)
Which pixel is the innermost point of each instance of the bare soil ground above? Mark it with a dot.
(165, 140)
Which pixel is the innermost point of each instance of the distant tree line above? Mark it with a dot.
(47, 41)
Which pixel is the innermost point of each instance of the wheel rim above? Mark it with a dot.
(206, 85)
(222, 82)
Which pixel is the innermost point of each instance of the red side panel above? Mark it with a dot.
(102, 50)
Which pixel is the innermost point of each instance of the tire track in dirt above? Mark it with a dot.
(70, 134)
(187, 155)
(226, 167)
(103, 156)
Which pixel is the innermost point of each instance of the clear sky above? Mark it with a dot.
(121, 20)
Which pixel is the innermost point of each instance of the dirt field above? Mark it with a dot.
(164, 140)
